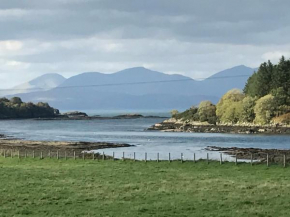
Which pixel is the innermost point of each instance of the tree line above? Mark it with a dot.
(265, 99)
(15, 108)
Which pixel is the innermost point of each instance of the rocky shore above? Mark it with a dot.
(173, 125)
(57, 145)
(257, 154)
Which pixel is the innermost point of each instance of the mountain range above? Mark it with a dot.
(134, 88)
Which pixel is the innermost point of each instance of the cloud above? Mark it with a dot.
(274, 56)
(192, 37)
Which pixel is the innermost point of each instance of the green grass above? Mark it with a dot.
(50, 187)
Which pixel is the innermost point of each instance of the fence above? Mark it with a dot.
(132, 156)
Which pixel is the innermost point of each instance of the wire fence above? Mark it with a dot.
(254, 158)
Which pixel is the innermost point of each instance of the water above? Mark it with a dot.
(133, 132)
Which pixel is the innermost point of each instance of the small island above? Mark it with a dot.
(262, 107)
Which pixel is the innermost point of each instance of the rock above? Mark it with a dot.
(75, 114)
(129, 116)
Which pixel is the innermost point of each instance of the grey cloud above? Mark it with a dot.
(192, 37)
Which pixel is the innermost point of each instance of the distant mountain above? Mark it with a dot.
(139, 88)
(219, 83)
(41, 83)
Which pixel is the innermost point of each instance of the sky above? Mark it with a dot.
(190, 37)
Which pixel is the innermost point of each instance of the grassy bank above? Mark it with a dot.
(53, 187)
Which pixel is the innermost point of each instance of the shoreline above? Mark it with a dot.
(79, 146)
(178, 126)
(256, 154)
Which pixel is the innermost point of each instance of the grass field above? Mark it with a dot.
(50, 187)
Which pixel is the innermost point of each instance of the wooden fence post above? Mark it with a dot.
(145, 157)
(236, 160)
(284, 160)
(103, 155)
(93, 155)
(74, 155)
(181, 157)
(157, 157)
(267, 160)
(11, 153)
(251, 159)
(65, 155)
(57, 154)
(83, 155)
(41, 155)
(194, 158)
(221, 158)
(33, 154)
(169, 157)
(113, 156)
(134, 156)
(4, 153)
(123, 157)
(18, 154)
(207, 158)
(49, 153)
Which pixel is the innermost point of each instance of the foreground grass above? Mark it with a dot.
(50, 187)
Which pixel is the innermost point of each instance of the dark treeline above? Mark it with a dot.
(15, 108)
(264, 100)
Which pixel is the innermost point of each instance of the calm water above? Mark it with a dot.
(132, 132)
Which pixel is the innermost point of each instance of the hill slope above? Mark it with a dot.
(41, 83)
(139, 88)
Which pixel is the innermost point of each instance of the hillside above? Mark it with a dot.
(41, 83)
(138, 88)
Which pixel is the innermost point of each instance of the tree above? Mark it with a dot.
(207, 112)
(268, 78)
(16, 100)
(248, 113)
(174, 113)
(229, 108)
(265, 109)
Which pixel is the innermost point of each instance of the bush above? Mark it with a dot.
(229, 108)
(265, 109)
(207, 112)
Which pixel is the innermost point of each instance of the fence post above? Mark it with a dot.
(169, 157)
(134, 155)
(236, 160)
(18, 154)
(207, 158)
(157, 157)
(221, 158)
(194, 158)
(4, 153)
(11, 153)
(93, 155)
(49, 153)
(123, 158)
(267, 160)
(103, 155)
(41, 156)
(113, 156)
(181, 157)
(33, 154)
(251, 159)
(83, 155)
(57, 155)
(74, 155)
(145, 157)
(284, 160)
